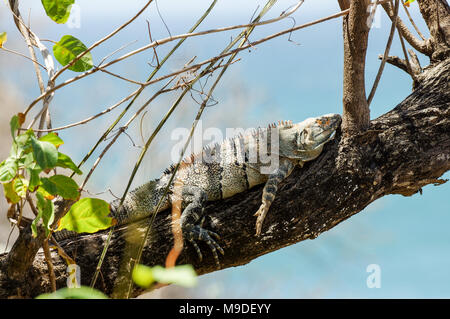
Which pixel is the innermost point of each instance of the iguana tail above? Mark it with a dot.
(140, 202)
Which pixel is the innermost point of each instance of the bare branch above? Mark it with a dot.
(101, 41)
(415, 63)
(396, 61)
(356, 114)
(109, 109)
(386, 54)
(408, 65)
(347, 177)
(412, 21)
(48, 260)
(24, 56)
(421, 46)
(287, 31)
(153, 73)
(436, 14)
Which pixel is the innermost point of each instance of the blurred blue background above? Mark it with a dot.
(406, 236)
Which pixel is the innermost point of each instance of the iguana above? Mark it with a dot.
(229, 168)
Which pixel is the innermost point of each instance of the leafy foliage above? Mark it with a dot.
(66, 162)
(23, 174)
(45, 153)
(67, 49)
(183, 275)
(46, 213)
(88, 215)
(58, 10)
(61, 185)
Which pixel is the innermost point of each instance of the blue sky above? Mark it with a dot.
(279, 80)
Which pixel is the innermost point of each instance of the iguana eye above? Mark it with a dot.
(304, 133)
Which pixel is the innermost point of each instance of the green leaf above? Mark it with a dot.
(82, 292)
(58, 10)
(61, 185)
(46, 210)
(20, 185)
(24, 139)
(34, 225)
(3, 38)
(8, 170)
(16, 152)
(10, 193)
(67, 49)
(88, 215)
(142, 275)
(183, 275)
(27, 161)
(44, 193)
(34, 178)
(22, 145)
(45, 153)
(52, 138)
(14, 125)
(66, 162)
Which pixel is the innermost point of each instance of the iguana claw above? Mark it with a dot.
(199, 233)
(261, 213)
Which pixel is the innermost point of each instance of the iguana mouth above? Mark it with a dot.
(334, 124)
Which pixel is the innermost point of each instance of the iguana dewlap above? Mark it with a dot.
(267, 155)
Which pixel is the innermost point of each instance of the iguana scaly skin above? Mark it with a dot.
(229, 168)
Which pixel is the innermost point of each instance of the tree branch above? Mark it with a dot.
(421, 46)
(356, 115)
(402, 151)
(436, 14)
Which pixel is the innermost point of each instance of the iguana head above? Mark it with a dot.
(305, 140)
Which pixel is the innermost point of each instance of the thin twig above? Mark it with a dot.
(115, 51)
(111, 127)
(24, 56)
(109, 109)
(420, 45)
(121, 130)
(410, 70)
(386, 54)
(48, 260)
(151, 40)
(32, 39)
(160, 42)
(62, 253)
(160, 16)
(412, 22)
(121, 77)
(242, 36)
(101, 41)
(396, 61)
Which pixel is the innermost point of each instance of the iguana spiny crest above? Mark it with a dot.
(266, 156)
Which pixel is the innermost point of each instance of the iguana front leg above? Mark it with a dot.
(192, 216)
(270, 189)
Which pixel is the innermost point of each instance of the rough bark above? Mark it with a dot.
(436, 14)
(402, 151)
(356, 114)
(26, 246)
